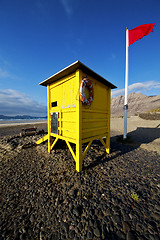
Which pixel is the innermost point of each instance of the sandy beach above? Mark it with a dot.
(16, 122)
(144, 133)
(8, 128)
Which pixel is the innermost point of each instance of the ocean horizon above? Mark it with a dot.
(13, 121)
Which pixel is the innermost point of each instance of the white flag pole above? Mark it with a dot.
(126, 88)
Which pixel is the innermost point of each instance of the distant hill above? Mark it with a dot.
(3, 117)
(137, 103)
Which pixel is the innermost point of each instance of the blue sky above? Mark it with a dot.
(40, 37)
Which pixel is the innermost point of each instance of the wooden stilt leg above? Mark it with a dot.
(49, 119)
(108, 144)
(49, 144)
(79, 157)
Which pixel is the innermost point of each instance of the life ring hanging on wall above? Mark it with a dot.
(86, 83)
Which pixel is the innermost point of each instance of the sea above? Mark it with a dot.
(14, 121)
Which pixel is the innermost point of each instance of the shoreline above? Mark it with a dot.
(12, 129)
(20, 122)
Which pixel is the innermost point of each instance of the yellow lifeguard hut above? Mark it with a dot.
(78, 102)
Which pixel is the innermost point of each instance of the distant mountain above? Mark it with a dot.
(137, 103)
(3, 117)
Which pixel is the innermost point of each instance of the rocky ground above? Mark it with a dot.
(116, 196)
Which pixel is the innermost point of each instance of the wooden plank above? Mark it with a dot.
(43, 139)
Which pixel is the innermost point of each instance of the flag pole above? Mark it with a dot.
(125, 107)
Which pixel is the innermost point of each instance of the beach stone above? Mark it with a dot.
(104, 231)
(130, 236)
(73, 193)
(32, 218)
(126, 227)
(77, 211)
(65, 226)
(138, 228)
(23, 236)
(150, 230)
(90, 233)
(72, 234)
(157, 207)
(156, 216)
(120, 235)
(116, 219)
(156, 237)
(151, 237)
(152, 224)
(80, 226)
(126, 218)
(97, 232)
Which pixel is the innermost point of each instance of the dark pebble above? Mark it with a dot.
(157, 207)
(116, 219)
(77, 211)
(71, 234)
(80, 226)
(120, 235)
(65, 226)
(126, 218)
(90, 233)
(32, 218)
(131, 236)
(97, 232)
(153, 225)
(151, 237)
(126, 227)
(156, 216)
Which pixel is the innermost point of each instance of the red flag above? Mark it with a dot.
(139, 32)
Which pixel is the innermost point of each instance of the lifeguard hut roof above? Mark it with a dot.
(72, 68)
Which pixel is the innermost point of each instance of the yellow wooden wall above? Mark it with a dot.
(64, 92)
(96, 117)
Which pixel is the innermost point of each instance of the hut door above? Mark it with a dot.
(54, 122)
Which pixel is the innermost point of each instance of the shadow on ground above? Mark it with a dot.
(145, 135)
(120, 147)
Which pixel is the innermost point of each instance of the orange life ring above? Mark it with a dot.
(86, 83)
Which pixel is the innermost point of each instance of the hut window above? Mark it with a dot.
(54, 104)
(54, 122)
